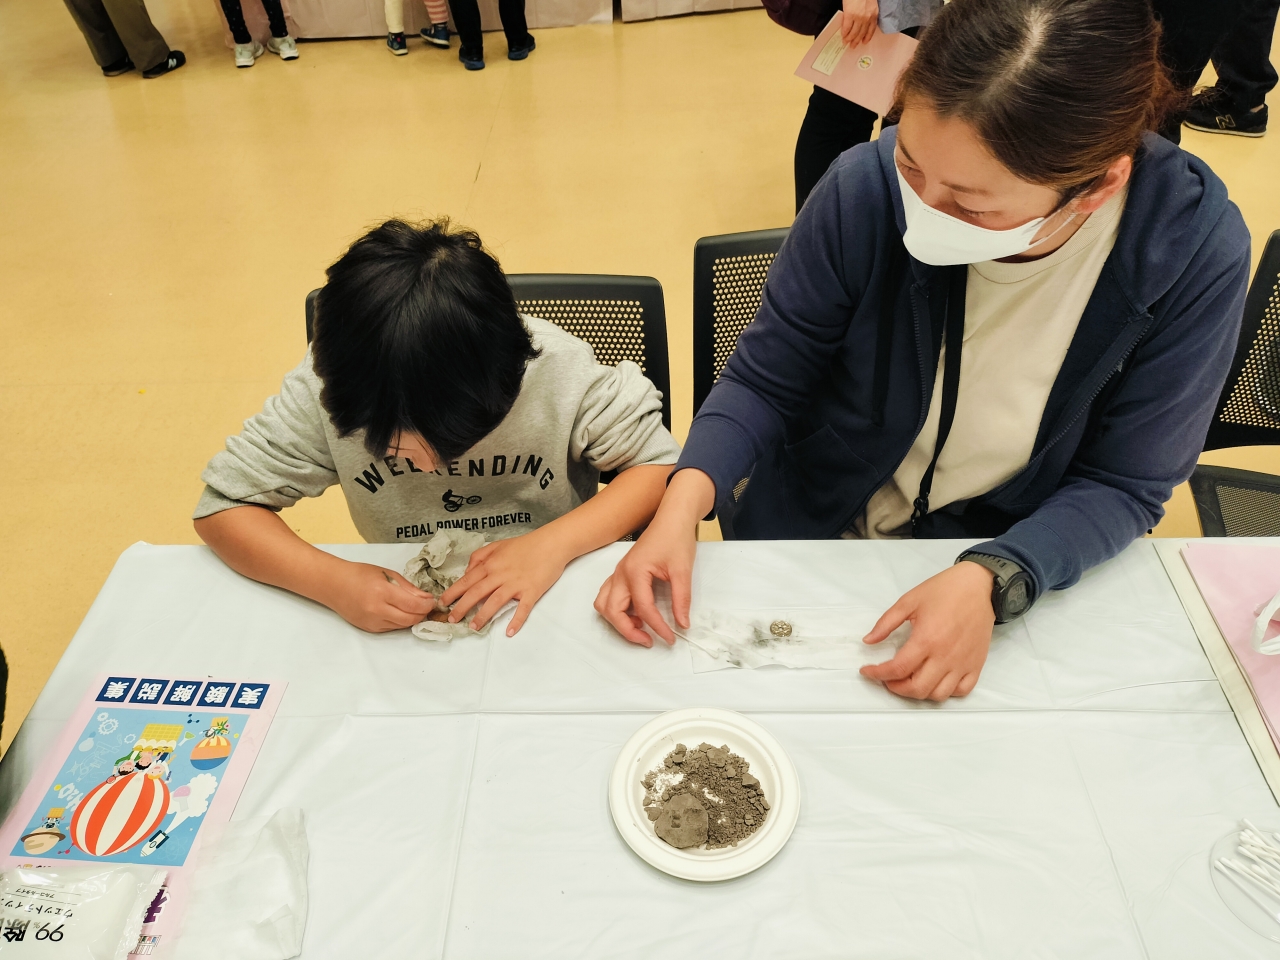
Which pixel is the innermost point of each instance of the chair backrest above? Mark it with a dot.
(728, 283)
(1236, 503)
(623, 318)
(1249, 408)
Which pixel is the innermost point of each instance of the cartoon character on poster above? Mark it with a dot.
(162, 772)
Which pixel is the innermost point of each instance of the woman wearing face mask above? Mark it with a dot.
(1008, 318)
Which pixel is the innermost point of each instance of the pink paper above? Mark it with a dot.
(1236, 580)
(866, 74)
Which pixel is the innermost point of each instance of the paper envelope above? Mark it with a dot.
(865, 74)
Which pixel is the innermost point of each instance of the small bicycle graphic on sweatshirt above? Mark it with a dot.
(453, 502)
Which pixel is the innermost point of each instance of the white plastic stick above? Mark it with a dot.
(1244, 872)
(1246, 891)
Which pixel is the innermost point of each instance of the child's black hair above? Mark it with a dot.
(416, 331)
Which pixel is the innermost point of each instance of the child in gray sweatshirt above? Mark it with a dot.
(436, 405)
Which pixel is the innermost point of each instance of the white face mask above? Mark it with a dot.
(940, 240)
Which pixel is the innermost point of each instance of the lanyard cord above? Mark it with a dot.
(950, 387)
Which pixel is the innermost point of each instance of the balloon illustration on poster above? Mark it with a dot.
(215, 747)
(119, 813)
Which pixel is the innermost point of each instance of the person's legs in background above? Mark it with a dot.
(1237, 103)
(519, 40)
(831, 126)
(1191, 32)
(438, 33)
(466, 18)
(393, 10)
(120, 34)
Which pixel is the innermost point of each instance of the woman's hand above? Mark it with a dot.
(664, 551)
(858, 21)
(951, 620)
(521, 568)
(374, 598)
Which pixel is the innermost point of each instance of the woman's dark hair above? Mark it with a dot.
(1058, 89)
(417, 331)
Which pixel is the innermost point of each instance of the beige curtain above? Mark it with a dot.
(652, 9)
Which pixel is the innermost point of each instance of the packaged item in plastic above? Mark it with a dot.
(827, 638)
(74, 912)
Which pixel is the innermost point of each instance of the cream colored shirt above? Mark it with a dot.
(1019, 321)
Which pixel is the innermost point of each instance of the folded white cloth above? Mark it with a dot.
(1268, 613)
(249, 892)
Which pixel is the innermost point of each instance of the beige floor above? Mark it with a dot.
(157, 238)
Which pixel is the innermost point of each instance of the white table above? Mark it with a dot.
(455, 794)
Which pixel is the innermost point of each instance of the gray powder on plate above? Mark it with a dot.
(720, 782)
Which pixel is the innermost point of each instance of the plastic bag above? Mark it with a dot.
(827, 638)
(1260, 641)
(249, 892)
(91, 912)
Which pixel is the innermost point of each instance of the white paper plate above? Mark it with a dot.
(769, 764)
(1237, 901)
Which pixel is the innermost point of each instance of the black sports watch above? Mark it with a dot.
(1011, 590)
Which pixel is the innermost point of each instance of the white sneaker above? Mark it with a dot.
(246, 53)
(286, 47)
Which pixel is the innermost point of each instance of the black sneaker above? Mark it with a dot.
(123, 65)
(1212, 111)
(397, 44)
(437, 35)
(472, 59)
(171, 63)
(522, 51)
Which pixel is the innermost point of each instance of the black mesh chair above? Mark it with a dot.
(728, 282)
(1236, 503)
(623, 318)
(1239, 503)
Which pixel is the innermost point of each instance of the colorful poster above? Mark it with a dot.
(139, 770)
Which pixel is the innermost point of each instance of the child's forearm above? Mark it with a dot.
(623, 506)
(255, 542)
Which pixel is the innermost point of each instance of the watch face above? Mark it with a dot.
(1016, 598)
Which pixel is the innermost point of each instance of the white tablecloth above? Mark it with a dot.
(455, 793)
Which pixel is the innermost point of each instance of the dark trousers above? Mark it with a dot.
(1243, 57)
(113, 28)
(831, 126)
(235, 20)
(466, 17)
(1192, 31)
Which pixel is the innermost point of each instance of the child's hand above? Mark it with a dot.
(375, 598)
(522, 568)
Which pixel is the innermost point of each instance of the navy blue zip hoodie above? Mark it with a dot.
(829, 386)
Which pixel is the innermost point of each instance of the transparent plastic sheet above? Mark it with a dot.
(249, 892)
(90, 912)
(823, 638)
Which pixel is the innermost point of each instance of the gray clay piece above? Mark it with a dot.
(683, 822)
(705, 795)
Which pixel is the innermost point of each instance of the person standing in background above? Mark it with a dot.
(121, 35)
(466, 17)
(437, 34)
(833, 124)
(1237, 103)
(247, 49)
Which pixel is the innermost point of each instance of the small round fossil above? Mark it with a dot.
(780, 628)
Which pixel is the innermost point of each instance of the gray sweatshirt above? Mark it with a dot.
(574, 418)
